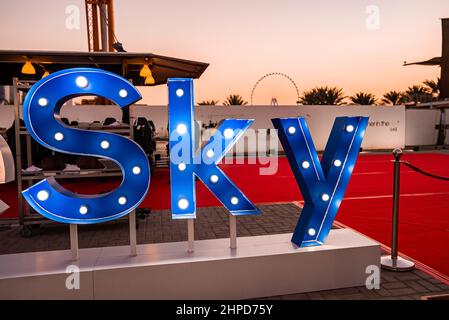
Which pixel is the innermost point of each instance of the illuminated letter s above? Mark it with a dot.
(41, 115)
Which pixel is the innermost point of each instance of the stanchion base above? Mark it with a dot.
(398, 264)
(262, 266)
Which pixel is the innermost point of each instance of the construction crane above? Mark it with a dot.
(100, 26)
(442, 61)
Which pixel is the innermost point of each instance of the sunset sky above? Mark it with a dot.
(315, 42)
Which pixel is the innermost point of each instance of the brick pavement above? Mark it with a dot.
(411, 285)
(213, 223)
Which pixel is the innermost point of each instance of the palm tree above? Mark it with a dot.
(418, 93)
(323, 96)
(434, 86)
(363, 99)
(208, 102)
(393, 97)
(234, 100)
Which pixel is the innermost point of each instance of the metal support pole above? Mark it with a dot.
(29, 151)
(190, 235)
(132, 233)
(396, 195)
(103, 27)
(233, 231)
(393, 262)
(18, 149)
(74, 242)
(442, 128)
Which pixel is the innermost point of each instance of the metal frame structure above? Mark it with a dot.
(100, 17)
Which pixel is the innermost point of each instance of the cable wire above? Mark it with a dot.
(431, 175)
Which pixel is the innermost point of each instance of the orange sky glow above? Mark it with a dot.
(314, 42)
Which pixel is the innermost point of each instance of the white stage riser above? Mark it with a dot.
(261, 266)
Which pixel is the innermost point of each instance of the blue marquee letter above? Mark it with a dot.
(323, 185)
(41, 115)
(186, 163)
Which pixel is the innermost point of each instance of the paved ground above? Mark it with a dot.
(412, 285)
(213, 223)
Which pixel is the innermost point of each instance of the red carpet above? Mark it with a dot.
(424, 211)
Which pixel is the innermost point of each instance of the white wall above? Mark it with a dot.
(386, 129)
(389, 127)
(420, 127)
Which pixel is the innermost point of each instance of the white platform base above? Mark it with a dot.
(261, 266)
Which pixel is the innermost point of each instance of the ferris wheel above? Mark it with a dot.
(277, 74)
